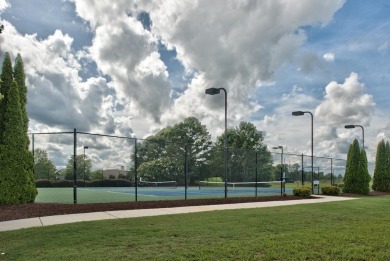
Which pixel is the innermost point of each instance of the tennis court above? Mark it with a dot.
(123, 194)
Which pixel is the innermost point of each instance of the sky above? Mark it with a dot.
(131, 68)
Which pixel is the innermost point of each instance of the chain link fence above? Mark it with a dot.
(78, 167)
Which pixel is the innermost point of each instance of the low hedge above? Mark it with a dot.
(44, 183)
(302, 192)
(330, 190)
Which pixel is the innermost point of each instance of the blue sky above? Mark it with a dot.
(132, 68)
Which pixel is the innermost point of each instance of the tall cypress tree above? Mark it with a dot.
(381, 167)
(352, 168)
(20, 79)
(16, 176)
(6, 81)
(364, 177)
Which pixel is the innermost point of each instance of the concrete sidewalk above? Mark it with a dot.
(72, 218)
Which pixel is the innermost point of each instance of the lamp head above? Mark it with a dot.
(298, 113)
(85, 147)
(349, 126)
(212, 91)
(277, 147)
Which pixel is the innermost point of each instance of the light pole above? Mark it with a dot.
(300, 113)
(213, 91)
(85, 148)
(353, 126)
(281, 168)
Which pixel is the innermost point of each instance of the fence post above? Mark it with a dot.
(331, 171)
(135, 170)
(33, 153)
(185, 170)
(303, 172)
(74, 167)
(256, 179)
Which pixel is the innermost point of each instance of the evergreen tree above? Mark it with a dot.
(352, 168)
(16, 173)
(6, 81)
(364, 177)
(20, 79)
(381, 167)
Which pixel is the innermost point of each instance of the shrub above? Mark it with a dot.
(330, 190)
(42, 183)
(110, 183)
(302, 192)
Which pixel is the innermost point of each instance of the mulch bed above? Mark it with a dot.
(50, 209)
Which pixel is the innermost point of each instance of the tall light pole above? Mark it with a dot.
(281, 168)
(85, 147)
(353, 126)
(300, 113)
(213, 91)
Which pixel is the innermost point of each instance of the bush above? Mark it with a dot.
(42, 183)
(330, 190)
(109, 183)
(62, 183)
(302, 192)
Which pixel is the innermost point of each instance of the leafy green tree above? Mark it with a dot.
(5, 86)
(20, 78)
(82, 167)
(244, 142)
(97, 175)
(43, 166)
(166, 150)
(16, 173)
(381, 181)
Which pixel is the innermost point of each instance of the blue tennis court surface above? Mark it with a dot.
(191, 191)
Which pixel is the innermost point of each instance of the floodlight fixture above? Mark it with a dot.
(213, 91)
(298, 113)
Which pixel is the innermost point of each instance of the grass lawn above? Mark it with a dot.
(350, 230)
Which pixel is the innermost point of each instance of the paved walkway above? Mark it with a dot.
(72, 218)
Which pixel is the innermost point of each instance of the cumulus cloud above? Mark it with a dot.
(4, 5)
(346, 103)
(236, 47)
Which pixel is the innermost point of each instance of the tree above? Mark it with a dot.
(43, 166)
(16, 173)
(6, 81)
(166, 150)
(20, 78)
(245, 142)
(381, 181)
(357, 178)
(364, 177)
(81, 168)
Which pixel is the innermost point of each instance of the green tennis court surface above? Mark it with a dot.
(123, 194)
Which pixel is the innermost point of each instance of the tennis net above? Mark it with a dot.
(159, 184)
(233, 185)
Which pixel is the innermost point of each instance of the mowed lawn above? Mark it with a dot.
(350, 230)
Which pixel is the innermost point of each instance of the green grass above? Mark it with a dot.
(349, 230)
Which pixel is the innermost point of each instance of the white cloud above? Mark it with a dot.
(4, 5)
(329, 57)
(346, 103)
